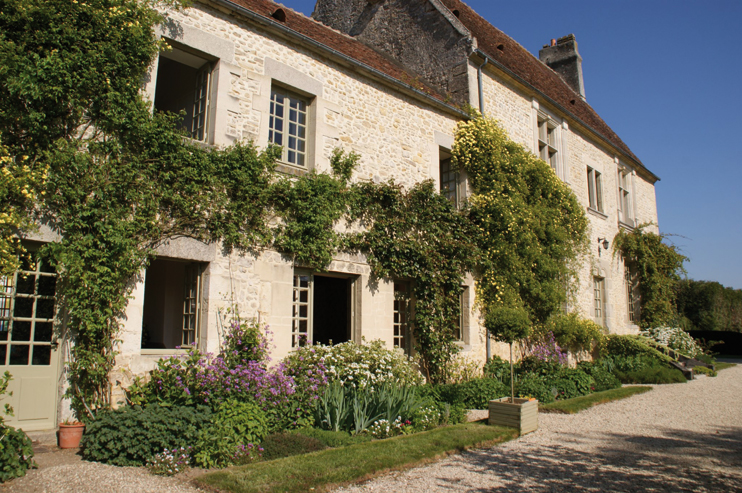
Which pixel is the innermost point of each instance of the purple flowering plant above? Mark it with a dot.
(241, 371)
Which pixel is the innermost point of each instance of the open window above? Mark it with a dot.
(172, 304)
(288, 125)
(184, 83)
(322, 309)
(599, 300)
(402, 314)
(595, 189)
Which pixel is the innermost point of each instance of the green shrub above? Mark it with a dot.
(533, 385)
(16, 453)
(497, 368)
(574, 333)
(652, 374)
(16, 450)
(280, 445)
(130, 436)
(357, 365)
(702, 370)
(571, 383)
(477, 393)
(234, 424)
(604, 380)
(630, 345)
(333, 439)
(533, 365)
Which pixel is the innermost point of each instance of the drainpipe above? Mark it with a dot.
(481, 110)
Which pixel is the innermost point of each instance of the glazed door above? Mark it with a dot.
(27, 346)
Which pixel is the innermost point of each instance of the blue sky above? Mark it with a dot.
(667, 77)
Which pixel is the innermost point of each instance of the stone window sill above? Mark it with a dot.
(289, 169)
(597, 213)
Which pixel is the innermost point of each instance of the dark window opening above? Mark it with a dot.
(172, 304)
(184, 84)
(331, 314)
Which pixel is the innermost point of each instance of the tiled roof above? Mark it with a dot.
(497, 45)
(337, 41)
(507, 52)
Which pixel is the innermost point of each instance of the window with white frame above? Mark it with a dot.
(322, 308)
(599, 300)
(625, 206)
(27, 308)
(548, 140)
(172, 304)
(595, 189)
(449, 178)
(402, 305)
(288, 125)
(463, 319)
(632, 299)
(184, 84)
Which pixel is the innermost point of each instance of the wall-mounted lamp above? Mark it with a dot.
(604, 243)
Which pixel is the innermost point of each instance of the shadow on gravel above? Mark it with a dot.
(676, 461)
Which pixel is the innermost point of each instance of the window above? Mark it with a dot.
(461, 322)
(27, 314)
(625, 211)
(599, 300)
(402, 316)
(632, 302)
(449, 181)
(322, 309)
(595, 189)
(172, 304)
(548, 147)
(184, 83)
(288, 125)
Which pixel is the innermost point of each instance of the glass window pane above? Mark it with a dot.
(3, 353)
(25, 284)
(300, 160)
(303, 311)
(292, 157)
(4, 329)
(19, 354)
(304, 296)
(42, 355)
(47, 285)
(45, 309)
(23, 307)
(43, 332)
(21, 331)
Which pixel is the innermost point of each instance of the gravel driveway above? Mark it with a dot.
(681, 437)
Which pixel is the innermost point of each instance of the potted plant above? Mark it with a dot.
(509, 325)
(70, 433)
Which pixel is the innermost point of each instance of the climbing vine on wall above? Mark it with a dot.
(658, 267)
(531, 228)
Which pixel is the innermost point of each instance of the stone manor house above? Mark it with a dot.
(387, 79)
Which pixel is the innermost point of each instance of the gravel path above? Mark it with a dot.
(681, 437)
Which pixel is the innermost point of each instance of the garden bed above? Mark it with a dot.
(361, 461)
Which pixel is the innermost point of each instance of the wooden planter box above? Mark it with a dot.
(522, 415)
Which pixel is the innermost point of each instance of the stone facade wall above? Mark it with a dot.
(396, 136)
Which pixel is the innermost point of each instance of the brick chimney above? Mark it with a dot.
(562, 56)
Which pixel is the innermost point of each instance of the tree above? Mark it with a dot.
(508, 325)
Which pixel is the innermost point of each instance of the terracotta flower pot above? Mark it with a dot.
(70, 435)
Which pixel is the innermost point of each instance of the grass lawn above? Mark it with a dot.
(318, 470)
(723, 365)
(572, 406)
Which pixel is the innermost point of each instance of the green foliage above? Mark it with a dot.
(710, 306)
(702, 370)
(507, 324)
(419, 235)
(658, 268)
(604, 380)
(537, 386)
(573, 332)
(132, 435)
(333, 439)
(652, 375)
(577, 404)
(497, 368)
(477, 392)
(234, 424)
(532, 228)
(280, 445)
(16, 449)
(630, 345)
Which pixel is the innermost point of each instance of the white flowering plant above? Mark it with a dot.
(361, 366)
(674, 338)
(382, 428)
(170, 462)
